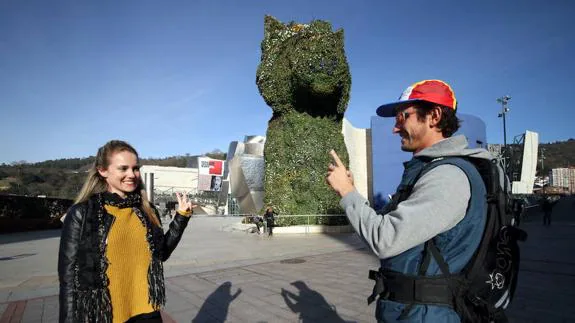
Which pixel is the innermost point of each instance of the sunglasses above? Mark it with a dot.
(401, 116)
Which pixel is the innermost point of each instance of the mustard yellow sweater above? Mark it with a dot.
(129, 258)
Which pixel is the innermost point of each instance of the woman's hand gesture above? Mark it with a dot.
(185, 206)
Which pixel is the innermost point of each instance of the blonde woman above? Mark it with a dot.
(112, 245)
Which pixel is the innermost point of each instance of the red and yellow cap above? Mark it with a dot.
(433, 91)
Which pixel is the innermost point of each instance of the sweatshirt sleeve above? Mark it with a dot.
(438, 202)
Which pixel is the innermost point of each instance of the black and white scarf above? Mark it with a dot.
(94, 304)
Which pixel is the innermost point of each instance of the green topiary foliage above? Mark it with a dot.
(304, 77)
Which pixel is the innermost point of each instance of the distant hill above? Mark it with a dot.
(550, 155)
(63, 178)
(556, 155)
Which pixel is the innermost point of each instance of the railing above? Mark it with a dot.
(311, 219)
(306, 220)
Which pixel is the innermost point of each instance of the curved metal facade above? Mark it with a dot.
(246, 173)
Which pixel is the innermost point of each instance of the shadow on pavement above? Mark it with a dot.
(311, 305)
(352, 239)
(24, 255)
(28, 236)
(215, 307)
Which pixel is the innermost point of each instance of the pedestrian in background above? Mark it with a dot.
(269, 218)
(547, 207)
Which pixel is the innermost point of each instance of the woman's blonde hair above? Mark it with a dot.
(95, 183)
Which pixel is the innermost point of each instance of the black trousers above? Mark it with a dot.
(154, 317)
(547, 218)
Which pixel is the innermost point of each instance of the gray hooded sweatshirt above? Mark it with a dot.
(442, 194)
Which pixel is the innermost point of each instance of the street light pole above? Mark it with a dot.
(504, 109)
(542, 159)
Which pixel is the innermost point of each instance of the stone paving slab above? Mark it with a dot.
(29, 259)
(546, 288)
(332, 287)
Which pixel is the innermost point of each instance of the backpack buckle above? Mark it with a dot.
(379, 288)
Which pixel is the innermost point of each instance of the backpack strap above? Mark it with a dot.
(420, 289)
(430, 246)
(430, 249)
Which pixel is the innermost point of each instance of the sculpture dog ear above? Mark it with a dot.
(321, 26)
(273, 74)
(339, 35)
(272, 27)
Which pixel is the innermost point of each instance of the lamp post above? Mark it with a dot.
(504, 109)
(542, 158)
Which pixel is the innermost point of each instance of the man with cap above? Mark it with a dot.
(435, 201)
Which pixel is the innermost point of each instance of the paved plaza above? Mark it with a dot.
(216, 275)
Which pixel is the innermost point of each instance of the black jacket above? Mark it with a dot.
(82, 263)
(269, 217)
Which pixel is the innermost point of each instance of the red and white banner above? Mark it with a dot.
(208, 166)
(210, 174)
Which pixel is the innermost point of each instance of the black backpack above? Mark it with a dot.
(486, 285)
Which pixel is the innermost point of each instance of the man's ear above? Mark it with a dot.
(435, 116)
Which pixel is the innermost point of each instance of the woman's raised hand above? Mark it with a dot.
(184, 204)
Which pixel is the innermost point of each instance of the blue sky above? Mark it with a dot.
(176, 77)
